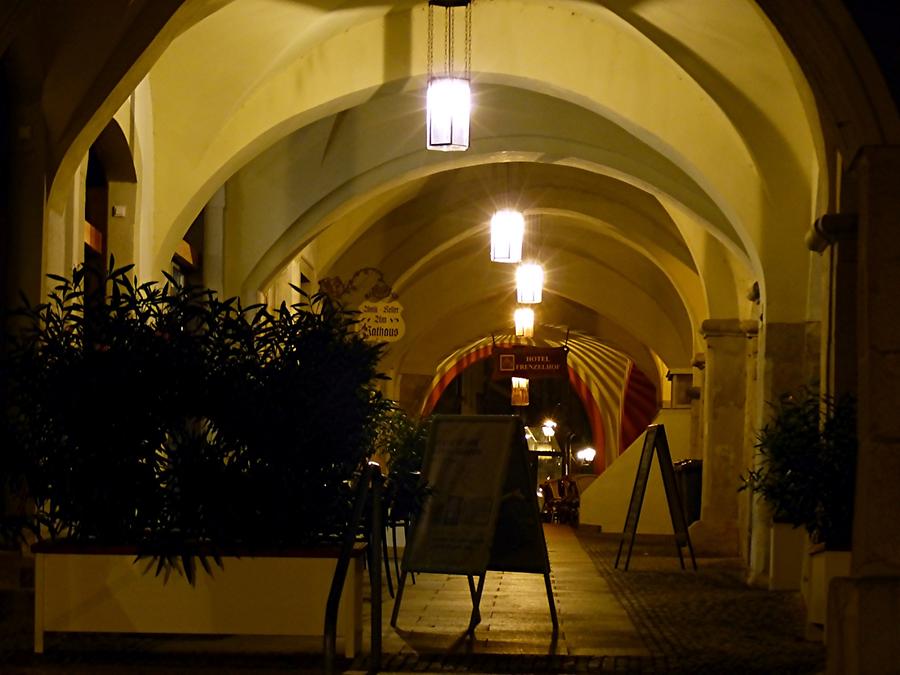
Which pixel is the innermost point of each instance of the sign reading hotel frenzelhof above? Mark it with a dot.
(529, 362)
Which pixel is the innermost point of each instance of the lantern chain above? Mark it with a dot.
(448, 44)
(468, 40)
(430, 39)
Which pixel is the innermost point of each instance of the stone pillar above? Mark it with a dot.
(864, 609)
(789, 358)
(748, 456)
(214, 243)
(725, 393)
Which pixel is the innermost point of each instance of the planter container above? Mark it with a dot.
(787, 546)
(820, 568)
(96, 589)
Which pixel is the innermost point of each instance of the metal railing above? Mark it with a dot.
(370, 481)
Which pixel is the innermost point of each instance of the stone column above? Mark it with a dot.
(864, 609)
(214, 242)
(725, 393)
(789, 358)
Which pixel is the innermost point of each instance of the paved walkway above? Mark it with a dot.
(655, 618)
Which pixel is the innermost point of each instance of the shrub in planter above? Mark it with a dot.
(161, 416)
(401, 440)
(808, 467)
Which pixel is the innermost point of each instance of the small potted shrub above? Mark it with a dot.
(401, 442)
(808, 464)
(806, 474)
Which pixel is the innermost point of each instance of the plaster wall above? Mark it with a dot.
(605, 502)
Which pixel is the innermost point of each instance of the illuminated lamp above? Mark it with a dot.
(524, 318)
(448, 100)
(529, 283)
(520, 391)
(507, 233)
(586, 455)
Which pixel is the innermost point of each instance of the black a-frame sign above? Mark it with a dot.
(481, 512)
(655, 439)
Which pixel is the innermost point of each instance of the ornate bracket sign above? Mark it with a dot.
(530, 362)
(381, 321)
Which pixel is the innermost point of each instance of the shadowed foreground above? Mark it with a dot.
(654, 618)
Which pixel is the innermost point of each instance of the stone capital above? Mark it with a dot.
(713, 328)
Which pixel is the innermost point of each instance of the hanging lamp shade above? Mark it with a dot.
(448, 103)
(524, 318)
(448, 100)
(507, 233)
(529, 283)
(520, 391)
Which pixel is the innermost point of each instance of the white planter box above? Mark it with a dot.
(821, 567)
(787, 546)
(106, 591)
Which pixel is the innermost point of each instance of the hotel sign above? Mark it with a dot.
(381, 321)
(530, 362)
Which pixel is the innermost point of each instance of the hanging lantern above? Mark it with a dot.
(529, 283)
(448, 100)
(520, 391)
(524, 318)
(507, 233)
(448, 103)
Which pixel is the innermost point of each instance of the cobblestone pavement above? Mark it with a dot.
(706, 621)
(655, 618)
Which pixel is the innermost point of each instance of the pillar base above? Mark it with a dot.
(717, 539)
(863, 633)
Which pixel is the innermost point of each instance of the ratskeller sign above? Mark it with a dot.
(529, 362)
(381, 321)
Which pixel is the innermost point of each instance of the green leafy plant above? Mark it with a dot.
(163, 417)
(402, 439)
(807, 473)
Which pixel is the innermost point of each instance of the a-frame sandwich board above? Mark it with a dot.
(481, 512)
(655, 440)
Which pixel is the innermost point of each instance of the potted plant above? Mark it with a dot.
(160, 421)
(401, 442)
(806, 473)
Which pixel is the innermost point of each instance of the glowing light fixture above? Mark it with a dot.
(549, 428)
(520, 391)
(507, 232)
(586, 455)
(524, 318)
(529, 283)
(448, 100)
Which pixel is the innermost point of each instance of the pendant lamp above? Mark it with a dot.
(524, 319)
(448, 100)
(507, 233)
(529, 283)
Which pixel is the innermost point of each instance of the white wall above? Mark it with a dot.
(605, 501)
